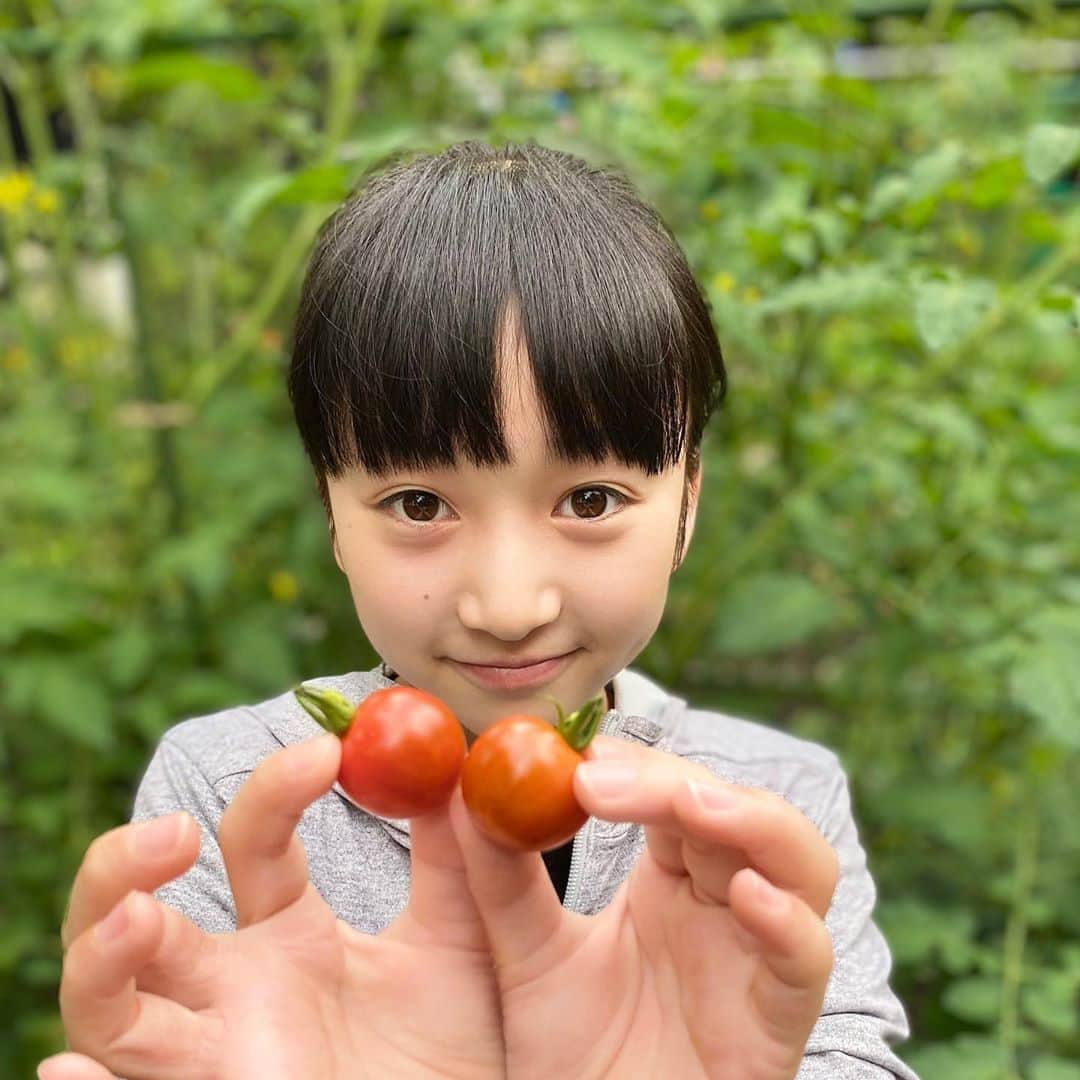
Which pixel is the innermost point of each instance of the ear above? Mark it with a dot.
(692, 494)
(336, 549)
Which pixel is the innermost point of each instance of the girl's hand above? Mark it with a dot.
(713, 957)
(294, 992)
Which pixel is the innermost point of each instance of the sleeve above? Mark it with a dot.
(861, 1017)
(173, 781)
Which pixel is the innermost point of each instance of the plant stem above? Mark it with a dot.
(1026, 858)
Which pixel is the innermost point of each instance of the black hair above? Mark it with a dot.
(416, 276)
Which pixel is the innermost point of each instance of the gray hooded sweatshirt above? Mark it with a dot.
(359, 862)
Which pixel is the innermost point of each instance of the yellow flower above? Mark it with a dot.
(283, 586)
(751, 294)
(46, 201)
(710, 210)
(724, 281)
(15, 187)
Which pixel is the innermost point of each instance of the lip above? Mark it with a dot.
(515, 678)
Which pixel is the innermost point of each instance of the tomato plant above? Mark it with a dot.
(518, 777)
(402, 748)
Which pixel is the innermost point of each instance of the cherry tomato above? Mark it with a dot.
(401, 748)
(518, 777)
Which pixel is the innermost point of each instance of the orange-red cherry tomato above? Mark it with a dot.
(518, 778)
(401, 748)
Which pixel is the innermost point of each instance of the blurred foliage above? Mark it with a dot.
(886, 558)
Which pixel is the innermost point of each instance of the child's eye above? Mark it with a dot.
(590, 502)
(421, 507)
(422, 504)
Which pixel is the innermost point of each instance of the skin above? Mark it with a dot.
(689, 972)
(295, 991)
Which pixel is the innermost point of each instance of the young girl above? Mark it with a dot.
(502, 371)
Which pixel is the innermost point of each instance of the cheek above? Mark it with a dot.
(624, 588)
(389, 591)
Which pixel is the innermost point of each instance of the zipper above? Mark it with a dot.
(608, 726)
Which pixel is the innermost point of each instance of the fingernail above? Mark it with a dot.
(154, 838)
(114, 924)
(712, 797)
(608, 778)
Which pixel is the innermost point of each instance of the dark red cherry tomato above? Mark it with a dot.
(401, 748)
(518, 777)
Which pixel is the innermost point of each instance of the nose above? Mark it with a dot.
(509, 589)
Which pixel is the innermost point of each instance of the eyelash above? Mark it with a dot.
(388, 502)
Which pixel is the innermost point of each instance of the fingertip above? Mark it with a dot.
(603, 747)
(69, 1066)
(761, 893)
(316, 758)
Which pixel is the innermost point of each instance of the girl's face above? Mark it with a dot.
(525, 562)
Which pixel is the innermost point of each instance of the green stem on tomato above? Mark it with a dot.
(579, 727)
(331, 709)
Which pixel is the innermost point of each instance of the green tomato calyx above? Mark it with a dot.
(332, 710)
(579, 727)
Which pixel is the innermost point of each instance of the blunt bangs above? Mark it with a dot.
(418, 277)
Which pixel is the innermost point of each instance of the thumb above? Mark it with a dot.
(67, 1066)
(513, 893)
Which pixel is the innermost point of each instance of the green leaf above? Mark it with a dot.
(947, 310)
(889, 193)
(1054, 1068)
(129, 655)
(772, 611)
(1045, 681)
(1049, 149)
(1054, 420)
(252, 200)
(164, 71)
(316, 184)
(66, 696)
(834, 290)
(976, 999)
(1053, 1003)
(932, 171)
(38, 603)
(967, 1057)
(920, 934)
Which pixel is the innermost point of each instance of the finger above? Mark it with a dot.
(142, 856)
(525, 923)
(777, 838)
(607, 747)
(264, 858)
(72, 1067)
(441, 907)
(175, 958)
(795, 949)
(676, 853)
(107, 1018)
(681, 797)
(708, 867)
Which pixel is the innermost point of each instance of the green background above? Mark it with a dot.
(887, 554)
